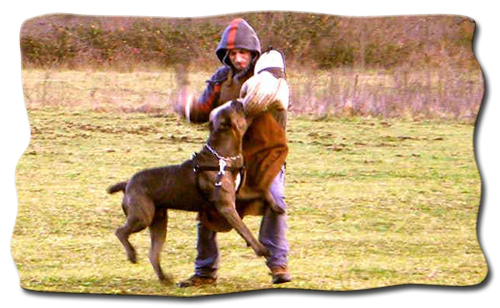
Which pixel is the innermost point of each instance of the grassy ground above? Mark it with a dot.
(371, 203)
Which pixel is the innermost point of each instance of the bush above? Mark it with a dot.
(308, 40)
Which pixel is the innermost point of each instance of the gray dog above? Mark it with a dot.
(210, 179)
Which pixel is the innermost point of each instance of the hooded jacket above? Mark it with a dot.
(239, 34)
(264, 145)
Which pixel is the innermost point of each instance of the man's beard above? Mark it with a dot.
(244, 72)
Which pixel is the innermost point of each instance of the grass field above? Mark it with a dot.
(371, 203)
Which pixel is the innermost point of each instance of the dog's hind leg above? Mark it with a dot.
(123, 234)
(137, 220)
(158, 233)
(270, 201)
(247, 193)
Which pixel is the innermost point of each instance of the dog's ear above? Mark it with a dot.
(240, 120)
(238, 105)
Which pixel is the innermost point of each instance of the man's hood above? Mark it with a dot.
(239, 34)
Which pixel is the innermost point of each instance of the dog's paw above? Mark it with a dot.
(167, 280)
(263, 252)
(276, 209)
(132, 257)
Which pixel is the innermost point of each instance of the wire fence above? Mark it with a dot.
(443, 94)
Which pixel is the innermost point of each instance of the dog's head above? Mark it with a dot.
(228, 120)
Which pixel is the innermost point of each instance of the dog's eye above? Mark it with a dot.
(225, 124)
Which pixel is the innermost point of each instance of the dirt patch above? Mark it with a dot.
(137, 130)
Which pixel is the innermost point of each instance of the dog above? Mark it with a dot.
(209, 180)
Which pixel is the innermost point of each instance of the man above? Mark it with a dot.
(264, 150)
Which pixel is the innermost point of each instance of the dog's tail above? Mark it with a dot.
(117, 187)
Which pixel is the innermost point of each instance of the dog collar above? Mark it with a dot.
(222, 164)
(221, 171)
(220, 157)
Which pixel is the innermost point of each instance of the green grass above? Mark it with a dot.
(371, 203)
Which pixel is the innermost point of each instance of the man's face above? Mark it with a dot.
(240, 58)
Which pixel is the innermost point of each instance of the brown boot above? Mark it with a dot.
(280, 274)
(195, 281)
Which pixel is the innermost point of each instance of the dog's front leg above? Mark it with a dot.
(227, 209)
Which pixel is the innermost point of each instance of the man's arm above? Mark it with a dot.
(198, 110)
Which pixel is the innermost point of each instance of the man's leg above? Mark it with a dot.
(273, 232)
(207, 260)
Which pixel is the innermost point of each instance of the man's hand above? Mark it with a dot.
(185, 100)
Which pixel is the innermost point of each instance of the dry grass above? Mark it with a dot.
(441, 94)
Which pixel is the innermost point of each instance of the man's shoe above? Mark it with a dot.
(280, 274)
(196, 280)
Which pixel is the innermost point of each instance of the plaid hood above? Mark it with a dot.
(239, 34)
